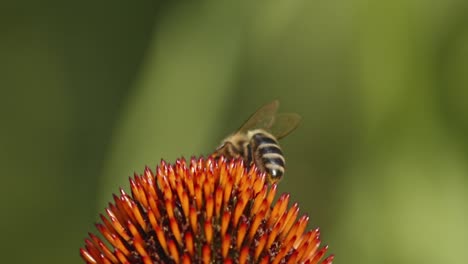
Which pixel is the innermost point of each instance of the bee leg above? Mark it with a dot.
(247, 153)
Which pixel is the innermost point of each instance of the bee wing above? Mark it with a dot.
(263, 118)
(284, 123)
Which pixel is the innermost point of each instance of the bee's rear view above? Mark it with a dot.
(257, 140)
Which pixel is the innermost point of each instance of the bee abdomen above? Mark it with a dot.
(274, 163)
(271, 152)
(269, 155)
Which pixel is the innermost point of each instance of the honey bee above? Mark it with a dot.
(257, 140)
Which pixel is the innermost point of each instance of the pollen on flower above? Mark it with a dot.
(203, 211)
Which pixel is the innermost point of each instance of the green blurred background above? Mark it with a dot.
(93, 91)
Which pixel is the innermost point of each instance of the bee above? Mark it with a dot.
(257, 140)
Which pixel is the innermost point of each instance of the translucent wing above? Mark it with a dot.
(263, 118)
(284, 124)
(267, 118)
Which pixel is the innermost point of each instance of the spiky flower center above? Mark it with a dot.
(207, 211)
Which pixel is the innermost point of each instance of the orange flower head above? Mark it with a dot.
(204, 211)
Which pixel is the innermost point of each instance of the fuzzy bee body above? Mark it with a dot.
(257, 140)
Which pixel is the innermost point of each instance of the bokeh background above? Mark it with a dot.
(93, 91)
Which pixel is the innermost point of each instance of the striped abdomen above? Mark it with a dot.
(267, 154)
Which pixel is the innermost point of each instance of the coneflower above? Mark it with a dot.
(207, 211)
